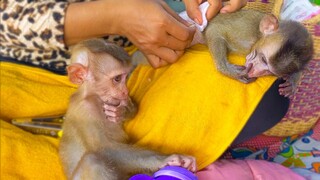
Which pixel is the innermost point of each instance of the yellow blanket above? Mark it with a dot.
(187, 107)
(190, 108)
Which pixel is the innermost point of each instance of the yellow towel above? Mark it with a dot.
(187, 107)
(32, 92)
(28, 156)
(190, 108)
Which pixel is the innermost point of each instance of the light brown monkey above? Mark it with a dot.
(280, 48)
(94, 144)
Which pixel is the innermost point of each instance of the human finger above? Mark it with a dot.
(174, 14)
(155, 61)
(174, 43)
(168, 55)
(233, 6)
(178, 27)
(180, 33)
(163, 56)
(193, 11)
(213, 9)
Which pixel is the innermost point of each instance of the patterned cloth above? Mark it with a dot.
(301, 153)
(32, 33)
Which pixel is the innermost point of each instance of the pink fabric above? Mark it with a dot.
(246, 170)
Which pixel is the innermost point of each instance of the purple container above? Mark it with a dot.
(167, 173)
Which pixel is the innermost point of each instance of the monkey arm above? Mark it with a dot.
(136, 159)
(218, 49)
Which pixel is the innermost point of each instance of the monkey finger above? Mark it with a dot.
(189, 163)
(113, 119)
(110, 114)
(174, 160)
(285, 84)
(245, 79)
(286, 92)
(248, 68)
(107, 107)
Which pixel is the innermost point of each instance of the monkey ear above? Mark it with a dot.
(269, 24)
(77, 73)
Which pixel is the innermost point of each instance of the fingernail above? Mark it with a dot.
(197, 21)
(223, 11)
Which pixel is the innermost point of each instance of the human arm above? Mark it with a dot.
(159, 32)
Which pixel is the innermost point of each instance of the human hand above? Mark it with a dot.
(158, 32)
(192, 8)
(193, 11)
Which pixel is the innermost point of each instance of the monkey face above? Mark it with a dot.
(261, 56)
(111, 87)
(258, 63)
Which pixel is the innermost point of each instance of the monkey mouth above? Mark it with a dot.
(113, 102)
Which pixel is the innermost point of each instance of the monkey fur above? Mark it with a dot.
(94, 144)
(280, 48)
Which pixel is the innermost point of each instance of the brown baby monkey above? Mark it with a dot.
(280, 48)
(94, 144)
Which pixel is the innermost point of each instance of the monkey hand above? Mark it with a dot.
(115, 109)
(289, 87)
(240, 73)
(114, 113)
(187, 162)
(118, 111)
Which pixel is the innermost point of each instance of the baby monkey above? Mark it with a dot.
(94, 144)
(280, 48)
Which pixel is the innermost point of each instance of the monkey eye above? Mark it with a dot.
(117, 78)
(264, 60)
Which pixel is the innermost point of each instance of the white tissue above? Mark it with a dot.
(203, 8)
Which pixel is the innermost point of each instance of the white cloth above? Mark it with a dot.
(203, 8)
(198, 38)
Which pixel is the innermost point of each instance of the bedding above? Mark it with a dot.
(299, 152)
(247, 169)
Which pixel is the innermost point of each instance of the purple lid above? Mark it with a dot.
(141, 177)
(174, 173)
